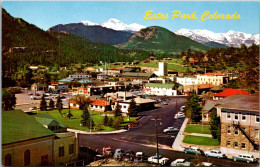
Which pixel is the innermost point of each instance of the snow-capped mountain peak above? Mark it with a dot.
(116, 24)
(230, 38)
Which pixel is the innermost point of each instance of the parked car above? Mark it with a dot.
(179, 115)
(206, 164)
(33, 108)
(170, 130)
(139, 157)
(129, 155)
(119, 153)
(180, 162)
(193, 150)
(215, 153)
(164, 102)
(47, 94)
(244, 157)
(154, 159)
(182, 108)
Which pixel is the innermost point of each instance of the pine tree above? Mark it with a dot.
(118, 111)
(51, 104)
(59, 105)
(215, 126)
(69, 115)
(105, 120)
(193, 108)
(8, 100)
(132, 110)
(86, 119)
(43, 104)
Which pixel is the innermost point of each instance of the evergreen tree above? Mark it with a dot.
(43, 104)
(110, 122)
(193, 108)
(116, 123)
(69, 115)
(118, 111)
(86, 119)
(132, 110)
(105, 120)
(215, 126)
(8, 100)
(59, 105)
(51, 104)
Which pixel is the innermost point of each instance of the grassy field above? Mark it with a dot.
(173, 65)
(74, 122)
(197, 129)
(201, 140)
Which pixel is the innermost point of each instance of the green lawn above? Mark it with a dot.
(197, 129)
(201, 140)
(74, 122)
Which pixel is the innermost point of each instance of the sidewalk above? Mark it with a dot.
(96, 133)
(198, 134)
(178, 140)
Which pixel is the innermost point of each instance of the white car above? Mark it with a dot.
(33, 108)
(182, 108)
(215, 153)
(154, 159)
(206, 164)
(180, 162)
(179, 115)
(170, 130)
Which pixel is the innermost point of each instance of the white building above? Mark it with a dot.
(187, 80)
(102, 76)
(162, 70)
(160, 89)
(211, 78)
(141, 103)
(79, 76)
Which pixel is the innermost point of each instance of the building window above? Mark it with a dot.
(256, 133)
(243, 117)
(228, 144)
(236, 131)
(27, 157)
(243, 145)
(8, 160)
(124, 106)
(228, 115)
(71, 148)
(228, 129)
(236, 116)
(235, 145)
(257, 119)
(61, 151)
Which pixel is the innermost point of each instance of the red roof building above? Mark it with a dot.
(214, 74)
(228, 92)
(99, 102)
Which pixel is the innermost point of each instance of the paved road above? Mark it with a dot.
(143, 137)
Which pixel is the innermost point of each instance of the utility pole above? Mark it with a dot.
(177, 114)
(156, 133)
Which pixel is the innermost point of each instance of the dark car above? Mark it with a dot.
(129, 155)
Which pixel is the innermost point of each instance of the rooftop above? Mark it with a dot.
(229, 91)
(17, 126)
(241, 102)
(158, 85)
(99, 102)
(47, 119)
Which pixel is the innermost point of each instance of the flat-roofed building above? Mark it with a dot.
(239, 115)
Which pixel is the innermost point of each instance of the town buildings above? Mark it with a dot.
(216, 79)
(239, 115)
(162, 89)
(26, 142)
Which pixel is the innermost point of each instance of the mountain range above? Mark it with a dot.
(94, 33)
(116, 24)
(230, 38)
(160, 39)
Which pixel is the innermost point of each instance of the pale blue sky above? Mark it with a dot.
(45, 14)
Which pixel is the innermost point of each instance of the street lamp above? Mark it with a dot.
(156, 133)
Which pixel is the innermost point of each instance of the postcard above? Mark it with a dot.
(130, 83)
